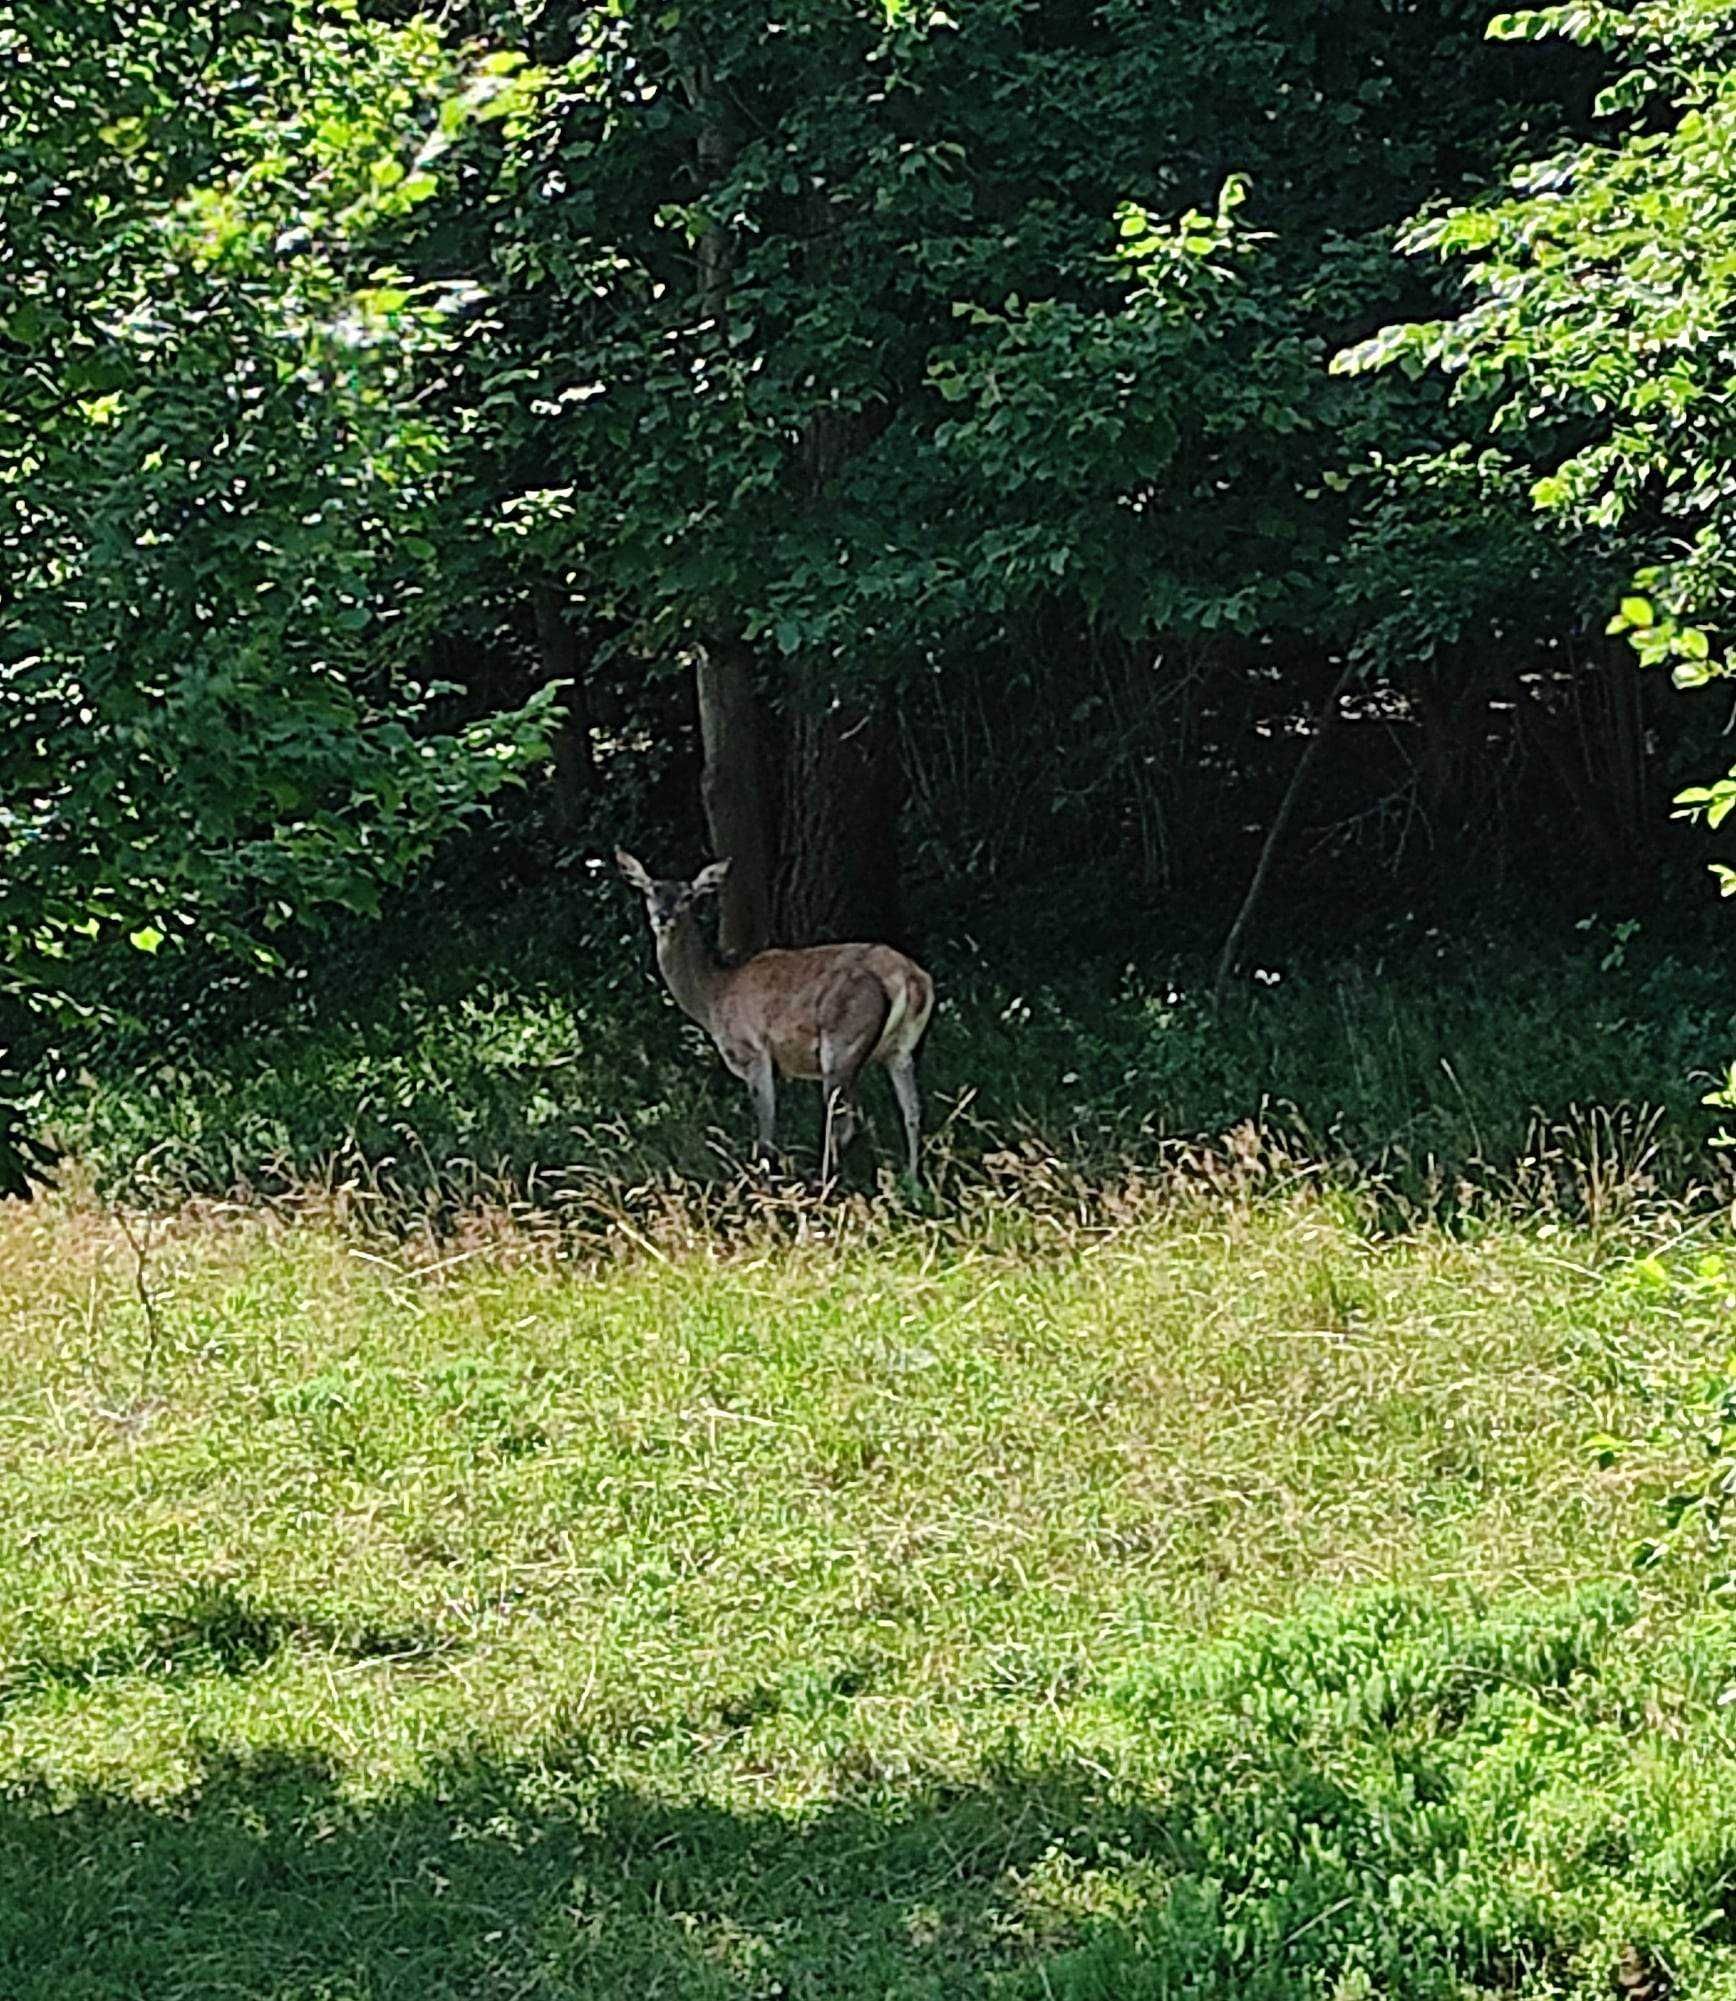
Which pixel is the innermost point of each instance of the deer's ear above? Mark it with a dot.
(709, 880)
(633, 871)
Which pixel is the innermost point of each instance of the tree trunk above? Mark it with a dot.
(1274, 835)
(733, 791)
(731, 720)
(839, 880)
(575, 763)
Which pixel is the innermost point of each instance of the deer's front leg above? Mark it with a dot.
(762, 1083)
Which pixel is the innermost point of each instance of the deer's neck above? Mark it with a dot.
(691, 970)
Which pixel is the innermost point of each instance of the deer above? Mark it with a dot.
(822, 1012)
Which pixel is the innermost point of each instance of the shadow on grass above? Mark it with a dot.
(209, 1628)
(538, 1881)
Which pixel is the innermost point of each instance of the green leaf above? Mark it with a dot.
(26, 324)
(147, 938)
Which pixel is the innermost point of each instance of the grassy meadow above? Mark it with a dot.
(1205, 1590)
(460, 1539)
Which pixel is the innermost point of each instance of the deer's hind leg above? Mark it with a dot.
(902, 1070)
(900, 1061)
(849, 1034)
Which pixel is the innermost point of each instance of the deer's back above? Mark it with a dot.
(783, 1000)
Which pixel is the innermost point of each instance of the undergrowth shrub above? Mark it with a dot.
(547, 1052)
(1403, 1796)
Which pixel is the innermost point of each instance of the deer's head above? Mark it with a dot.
(667, 901)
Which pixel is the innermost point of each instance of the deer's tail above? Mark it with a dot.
(909, 1002)
(897, 1007)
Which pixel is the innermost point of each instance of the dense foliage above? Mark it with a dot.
(974, 368)
(1597, 350)
(897, 446)
(215, 479)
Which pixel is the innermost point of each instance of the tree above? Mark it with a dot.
(215, 480)
(818, 378)
(830, 358)
(1599, 342)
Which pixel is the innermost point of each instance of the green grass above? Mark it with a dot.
(1199, 1594)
